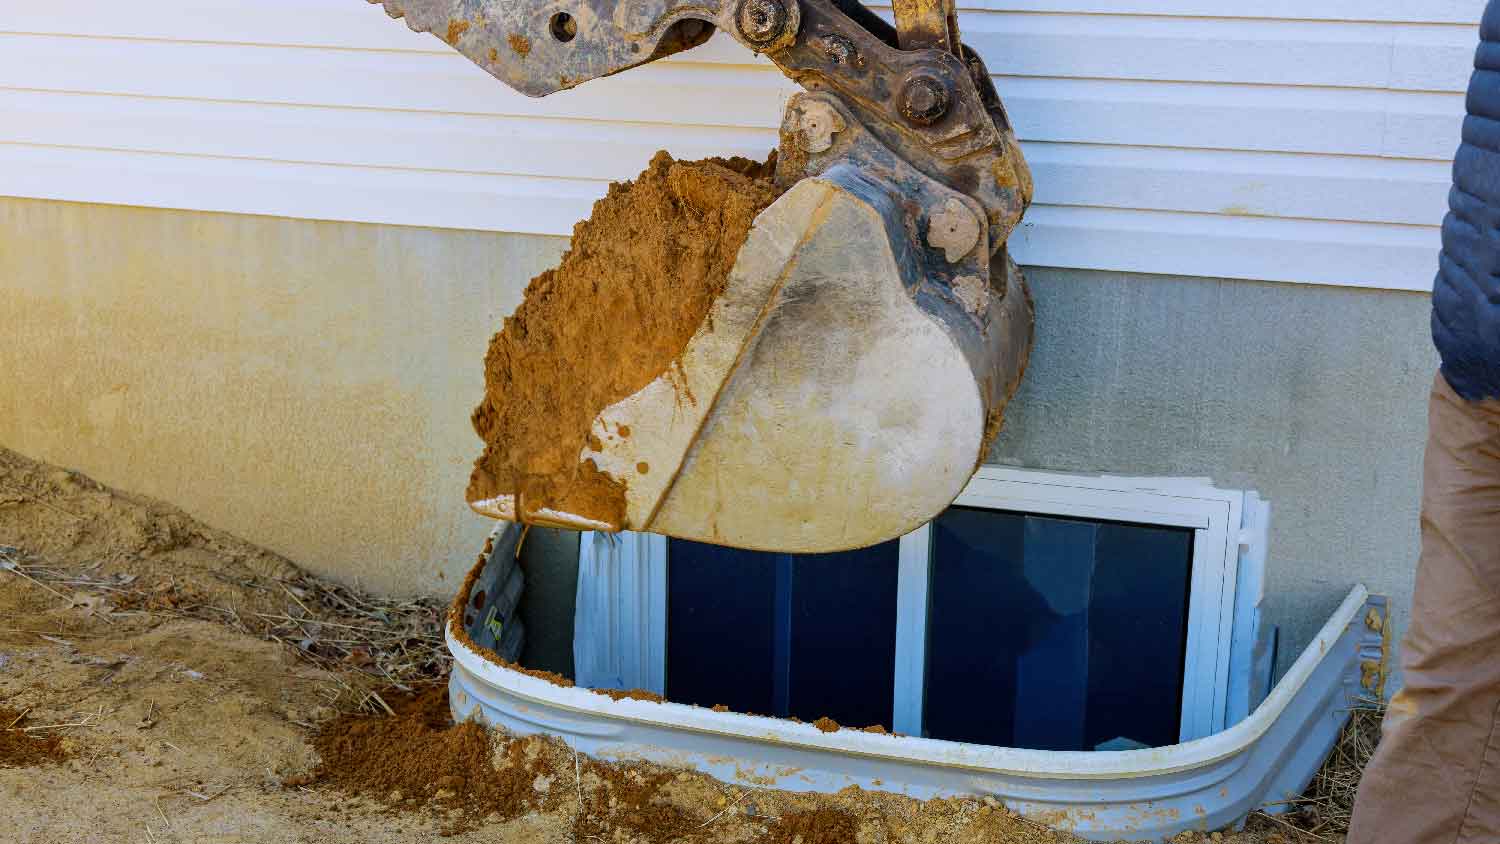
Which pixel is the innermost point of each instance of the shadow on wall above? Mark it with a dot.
(305, 385)
(1313, 396)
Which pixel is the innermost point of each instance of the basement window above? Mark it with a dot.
(1042, 610)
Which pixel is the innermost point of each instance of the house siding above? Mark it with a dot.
(1310, 143)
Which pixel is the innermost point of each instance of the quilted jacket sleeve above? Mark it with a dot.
(1466, 293)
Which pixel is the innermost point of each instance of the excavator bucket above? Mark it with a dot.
(850, 372)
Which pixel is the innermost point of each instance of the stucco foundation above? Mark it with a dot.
(305, 385)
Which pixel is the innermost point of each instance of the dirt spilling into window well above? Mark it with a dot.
(639, 278)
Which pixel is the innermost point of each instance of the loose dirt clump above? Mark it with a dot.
(638, 280)
(637, 799)
(22, 748)
(819, 826)
(631, 694)
(418, 756)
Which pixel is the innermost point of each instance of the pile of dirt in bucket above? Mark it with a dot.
(638, 280)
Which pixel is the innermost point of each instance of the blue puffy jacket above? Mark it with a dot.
(1466, 294)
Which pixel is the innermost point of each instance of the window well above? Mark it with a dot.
(1147, 584)
(1041, 611)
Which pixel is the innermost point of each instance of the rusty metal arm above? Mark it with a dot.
(927, 24)
(917, 88)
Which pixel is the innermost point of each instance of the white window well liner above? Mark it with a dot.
(1206, 783)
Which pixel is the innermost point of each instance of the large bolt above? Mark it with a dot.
(925, 99)
(839, 50)
(761, 21)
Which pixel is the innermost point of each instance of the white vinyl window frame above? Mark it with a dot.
(620, 630)
(1216, 517)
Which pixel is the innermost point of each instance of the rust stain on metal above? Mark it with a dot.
(918, 10)
(1005, 174)
(519, 44)
(921, 23)
(456, 30)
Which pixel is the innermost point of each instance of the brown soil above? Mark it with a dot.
(827, 725)
(631, 694)
(633, 288)
(174, 722)
(819, 826)
(23, 745)
(418, 756)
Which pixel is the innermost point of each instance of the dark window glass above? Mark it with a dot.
(843, 635)
(805, 635)
(720, 604)
(1055, 634)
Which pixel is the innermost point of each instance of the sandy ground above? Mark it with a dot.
(129, 647)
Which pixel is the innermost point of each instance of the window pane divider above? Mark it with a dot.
(911, 631)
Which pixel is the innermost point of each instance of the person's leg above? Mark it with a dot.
(1436, 775)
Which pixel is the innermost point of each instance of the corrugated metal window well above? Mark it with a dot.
(1087, 649)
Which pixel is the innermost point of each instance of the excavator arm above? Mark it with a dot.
(914, 84)
(873, 328)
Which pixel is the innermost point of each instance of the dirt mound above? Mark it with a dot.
(418, 756)
(637, 281)
(77, 544)
(70, 520)
(419, 760)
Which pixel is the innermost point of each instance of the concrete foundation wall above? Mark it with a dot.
(1314, 396)
(307, 385)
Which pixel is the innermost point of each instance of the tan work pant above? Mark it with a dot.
(1436, 775)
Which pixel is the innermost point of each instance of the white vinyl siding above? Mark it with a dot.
(1310, 143)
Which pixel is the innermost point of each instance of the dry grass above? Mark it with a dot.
(1323, 813)
(352, 634)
